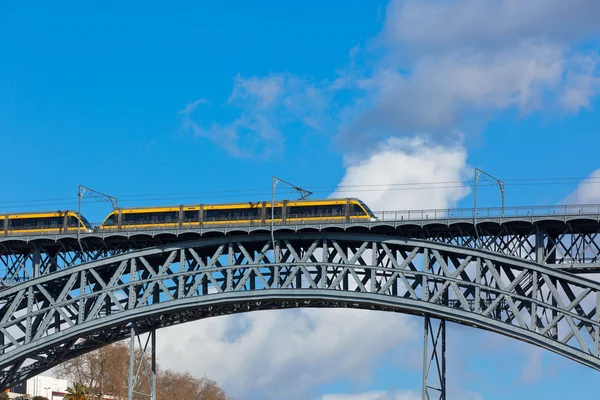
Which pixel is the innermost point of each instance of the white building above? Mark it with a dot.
(47, 386)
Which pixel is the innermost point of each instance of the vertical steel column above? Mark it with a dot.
(130, 383)
(540, 247)
(150, 375)
(37, 261)
(550, 259)
(153, 394)
(434, 355)
(434, 336)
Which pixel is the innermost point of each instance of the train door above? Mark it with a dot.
(65, 223)
(263, 213)
(347, 210)
(201, 214)
(284, 212)
(180, 218)
(119, 220)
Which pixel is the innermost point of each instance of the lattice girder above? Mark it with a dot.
(58, 315)
(572, 244)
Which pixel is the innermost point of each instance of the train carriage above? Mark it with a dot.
(43, 222)
(286, 211)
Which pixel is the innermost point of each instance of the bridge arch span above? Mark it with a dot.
(59, 315)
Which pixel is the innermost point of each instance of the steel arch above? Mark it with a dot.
(48, 319)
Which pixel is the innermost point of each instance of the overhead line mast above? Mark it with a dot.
(81, 191)
(303, 195)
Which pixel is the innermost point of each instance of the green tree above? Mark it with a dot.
(4, 396)
(80, 392)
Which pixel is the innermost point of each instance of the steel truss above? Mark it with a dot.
(54, 317)
(19, 263)
(572, 245)
(143, 369)
(434, 340)
(567, 248)
(434, 359)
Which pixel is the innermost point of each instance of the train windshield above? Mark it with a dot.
(85, 221)
(367, 208)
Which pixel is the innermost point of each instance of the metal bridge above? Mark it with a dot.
(516, 272)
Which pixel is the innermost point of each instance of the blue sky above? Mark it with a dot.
(149, 100)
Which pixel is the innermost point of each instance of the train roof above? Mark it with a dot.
(39, 212)
(251, 203)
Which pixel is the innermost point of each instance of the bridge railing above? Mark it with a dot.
(489, 212)
(384, 216)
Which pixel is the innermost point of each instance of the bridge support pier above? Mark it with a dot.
(143, 369)
(434, 359)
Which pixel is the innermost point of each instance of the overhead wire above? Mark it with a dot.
(263, 193)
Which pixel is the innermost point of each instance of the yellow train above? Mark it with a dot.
(43, 222)
(286, 211)
(188, 216)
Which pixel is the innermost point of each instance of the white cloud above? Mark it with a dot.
(262, 91)
(442, 23)
(376, 395)
(443, 64)
(582, 82)
(285, 354)
(264, 106)
(251, 135)
(587, 192)
(534, 369)
(399, 395)
(441, 90)
(398, 162)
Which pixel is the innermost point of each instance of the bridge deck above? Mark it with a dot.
(415, 223)
(570, 238)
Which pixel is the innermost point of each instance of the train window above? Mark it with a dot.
(356, 210)
(135, 218)
(162, 217)
(34, 223)
(311, 211)
(151, 218)
(211, 214)
(56, 222)
(337, 210)
(234, 214)
(73, 221)
(85, 222)
(277, 212)
(130, 218)
(295, 211)
(111, 220)
(303, 211)
(143, 218)
(251, 213)
(30, 223)
(172, 216)
(15, 223)
(189, 216)
(318, 210)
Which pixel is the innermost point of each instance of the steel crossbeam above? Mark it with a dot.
(55, 316)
